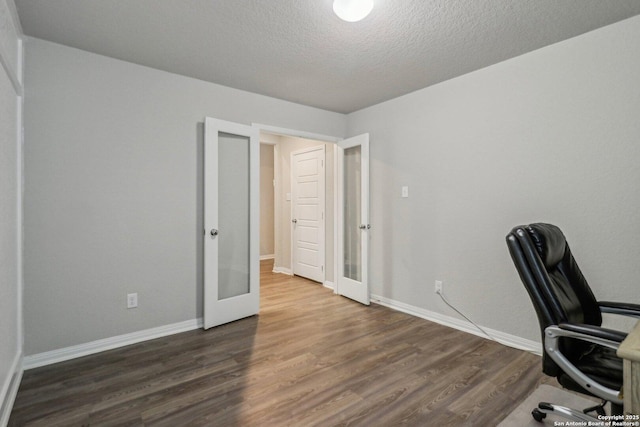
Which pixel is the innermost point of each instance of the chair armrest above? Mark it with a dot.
(622, 308)
(593, 331)
(589, 333)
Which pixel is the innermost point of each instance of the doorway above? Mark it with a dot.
(231, 201)
(285, 231)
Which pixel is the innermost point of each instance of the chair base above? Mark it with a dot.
(544, 408)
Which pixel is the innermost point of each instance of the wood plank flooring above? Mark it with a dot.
(310, 358)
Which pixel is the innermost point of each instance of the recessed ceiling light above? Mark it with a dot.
(352, 10)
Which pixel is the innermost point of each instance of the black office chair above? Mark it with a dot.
(576, 349)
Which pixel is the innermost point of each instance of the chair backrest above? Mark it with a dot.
(557, 288)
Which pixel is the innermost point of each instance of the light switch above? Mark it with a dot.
(405, 191)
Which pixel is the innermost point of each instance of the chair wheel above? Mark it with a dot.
(538, 415)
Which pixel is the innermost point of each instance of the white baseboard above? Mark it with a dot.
(452, 322)
(68, 353)
(330, 285)
(264, 257)
(10, 389)
(282, 270)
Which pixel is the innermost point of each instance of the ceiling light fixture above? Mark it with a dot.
(352, 10)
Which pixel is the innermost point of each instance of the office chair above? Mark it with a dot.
(577, 351)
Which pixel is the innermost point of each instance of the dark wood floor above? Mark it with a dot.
(310, 358)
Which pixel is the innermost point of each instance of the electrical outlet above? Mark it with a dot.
(132, 300)
(438, 289)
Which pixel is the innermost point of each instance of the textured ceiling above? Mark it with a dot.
(300, 51)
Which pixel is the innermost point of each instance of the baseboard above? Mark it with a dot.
(265, 257)
(452, 322)
(282, 270)
(10, 389)
(73, 352)
(330, 285)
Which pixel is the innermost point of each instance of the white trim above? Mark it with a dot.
(10, 389)
(336, 234)
(282, 270)
(265, 257)
(297, 133)
(19, 200)
(75, 351)
(329, 284)
(452, 322)
(11, 384)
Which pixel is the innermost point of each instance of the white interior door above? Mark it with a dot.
(231, 221)
(307, 212)
(353, 218)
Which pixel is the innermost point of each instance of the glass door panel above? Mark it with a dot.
(352, 214)
(233, 215)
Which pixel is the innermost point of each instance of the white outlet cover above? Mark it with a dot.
(132, 300)
(438, 287)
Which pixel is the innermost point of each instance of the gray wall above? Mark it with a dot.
(113, 190)
(266, 200)
(113, 170)
(551, 136)
(10, 213)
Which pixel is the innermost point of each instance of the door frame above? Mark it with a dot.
(323, 261)
(320, 138)
(336, 185)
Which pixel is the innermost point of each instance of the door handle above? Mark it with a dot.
(214, 232)
(295, 221)
(365, 227)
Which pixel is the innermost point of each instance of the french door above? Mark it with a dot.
(353, 218)
(231, 222)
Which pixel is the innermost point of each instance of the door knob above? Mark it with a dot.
(214, 232)
(364, 227)
(295, 221)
